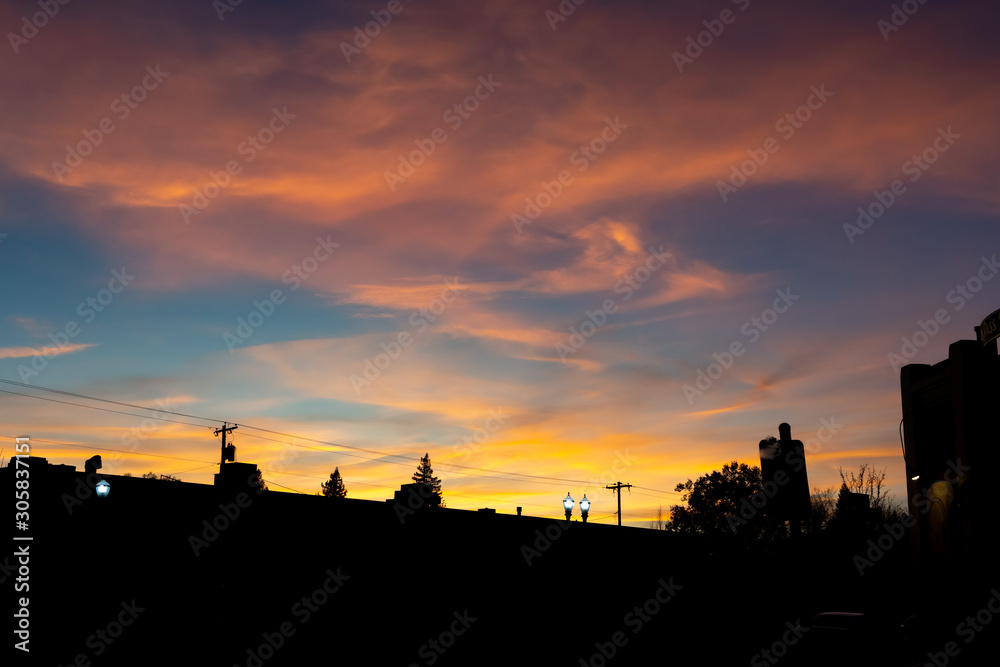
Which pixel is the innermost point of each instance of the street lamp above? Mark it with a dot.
(103, 489)
(568, 505)
(584, 507)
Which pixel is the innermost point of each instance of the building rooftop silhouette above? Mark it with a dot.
(228, 574)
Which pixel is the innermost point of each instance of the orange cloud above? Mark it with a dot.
(22, 352)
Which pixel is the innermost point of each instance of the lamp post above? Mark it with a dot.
(568, 505)
(584, 508)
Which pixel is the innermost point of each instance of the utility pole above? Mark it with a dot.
(618, 486)
(226, 428)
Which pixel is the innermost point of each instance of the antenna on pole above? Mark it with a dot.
(228, 453)
(618, 486)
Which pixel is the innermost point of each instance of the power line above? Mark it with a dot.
(102, 400)
(284, 472)
(381, 454)
(182, 472)
(269, 481)
(120, 451)
(456, 472)
(440, 466)
(270, 472)
(618, 486)
(94, 407)
(409, 462)
(673, 493)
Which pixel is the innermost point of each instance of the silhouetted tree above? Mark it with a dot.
(823, 505)
(870, 482)
(258, 483)
(165, 478)
(721, 503)
(842, 504)
(334, 487)
(425, 475)
(658, 523)
(853, 519)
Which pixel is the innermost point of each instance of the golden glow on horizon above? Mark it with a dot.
(495, 346)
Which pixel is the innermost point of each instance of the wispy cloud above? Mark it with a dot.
(23, 352)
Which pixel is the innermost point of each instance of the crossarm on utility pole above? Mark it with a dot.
(618, 486)
(226, 428)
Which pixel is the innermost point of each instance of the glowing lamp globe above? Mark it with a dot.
(568, 503)
(103, 489)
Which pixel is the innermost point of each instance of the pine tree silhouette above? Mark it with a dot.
(425, 475)
(258, 482)
(334, 487)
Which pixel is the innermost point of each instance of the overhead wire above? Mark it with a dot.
(271, 481)
(94, 407)
(382, 456)
(103, 400)
(673, 493)
(120, 451)
(268, 480)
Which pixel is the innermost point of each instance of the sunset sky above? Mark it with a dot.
(493, 223)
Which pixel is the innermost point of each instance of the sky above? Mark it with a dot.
(555, 246)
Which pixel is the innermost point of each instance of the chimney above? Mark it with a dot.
(93, 464)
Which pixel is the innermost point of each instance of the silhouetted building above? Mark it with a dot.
(951, 437)
(415, 496)
(155, 568)
(237, 477)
